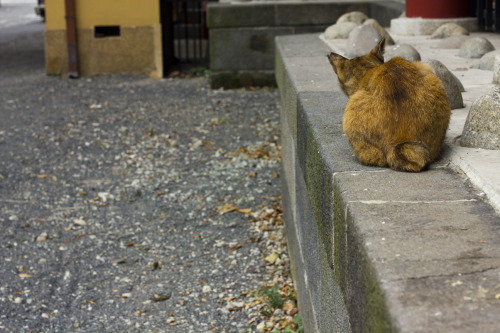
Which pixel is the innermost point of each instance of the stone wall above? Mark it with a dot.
(242, 34)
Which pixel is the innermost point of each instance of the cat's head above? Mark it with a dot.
(350, 71)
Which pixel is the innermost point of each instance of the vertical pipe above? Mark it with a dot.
(195, 23)
(489, 14)
(497, 18)
(167, 29)
(186, 33)
(71, 39)
(481, 4)
(178, 33)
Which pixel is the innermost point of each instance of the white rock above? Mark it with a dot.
(475, 47)
(448, 30)
(356, 17)
(339, 30)
(42, 237)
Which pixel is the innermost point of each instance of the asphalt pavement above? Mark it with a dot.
(131, 204)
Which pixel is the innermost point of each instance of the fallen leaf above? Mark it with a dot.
(226, 208)
(79, 222)
(288, 305)
(258, 301)
(130, 244)
(272, 258)
(158, 298)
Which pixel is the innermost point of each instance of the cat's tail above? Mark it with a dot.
(410, 156)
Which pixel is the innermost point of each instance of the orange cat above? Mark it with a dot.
(397, 113)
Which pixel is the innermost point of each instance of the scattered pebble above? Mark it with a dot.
(111, 191)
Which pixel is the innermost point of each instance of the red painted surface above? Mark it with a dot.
(437, 8)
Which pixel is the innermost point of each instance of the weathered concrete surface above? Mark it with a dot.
(416, 26)
(374, 249)
(479, 165)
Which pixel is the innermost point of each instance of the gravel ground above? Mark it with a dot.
(130, 204)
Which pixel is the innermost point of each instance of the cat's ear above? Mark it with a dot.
(334, 60)
(378, 50)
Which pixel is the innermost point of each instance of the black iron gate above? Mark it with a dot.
(184, 34)
(488, 18)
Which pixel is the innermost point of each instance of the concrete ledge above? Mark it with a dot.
(419, 26)
(242, 34)
(373, 249)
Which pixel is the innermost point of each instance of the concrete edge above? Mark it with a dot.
(373, 281)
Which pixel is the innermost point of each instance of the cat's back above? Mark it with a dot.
(400, 81)
(395, 72)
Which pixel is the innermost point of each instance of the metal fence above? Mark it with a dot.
(488, 18)
(185, 33)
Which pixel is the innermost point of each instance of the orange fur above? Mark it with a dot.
(397, 113)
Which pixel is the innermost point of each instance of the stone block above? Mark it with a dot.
(354, 17)
(482, 127)
(387, 251)
(401, 50)
(419, 26)
(362, 40)
(448, 30)
(450, 243)
(487, 62)
(340, 30)
(475, 47)
(238, 79)
(385, 11)
(223, 15)
(243, 48)
(315, 13)
(231, 55)
(451, 83)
